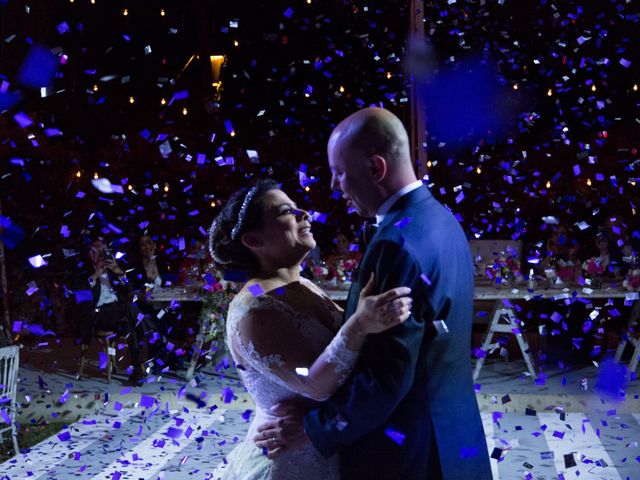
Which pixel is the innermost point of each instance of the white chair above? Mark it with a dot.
(9, 361)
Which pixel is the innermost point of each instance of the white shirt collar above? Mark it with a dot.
(388, 203)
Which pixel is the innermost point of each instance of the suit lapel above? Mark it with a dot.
(394, 215)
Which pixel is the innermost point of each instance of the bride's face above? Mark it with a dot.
(285, 234)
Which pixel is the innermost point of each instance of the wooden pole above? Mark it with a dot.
(6, 319)
(418, 133)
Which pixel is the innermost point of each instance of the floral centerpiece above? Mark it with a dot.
(319, 271)
(566, 270)
(594, 269)
(344, 267)
(213, 316)
(504, 268)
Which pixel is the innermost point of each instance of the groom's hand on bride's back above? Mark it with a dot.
(286, 431)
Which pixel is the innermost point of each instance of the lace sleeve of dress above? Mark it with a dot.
(268, 336)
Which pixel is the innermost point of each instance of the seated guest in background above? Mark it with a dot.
(149, 272)
(109, 307)
(345, 257)
(191, 268)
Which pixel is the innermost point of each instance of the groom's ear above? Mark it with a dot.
(377, 167)
(251, 240)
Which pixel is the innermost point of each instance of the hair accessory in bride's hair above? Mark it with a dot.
(212, 250)
(243, 211)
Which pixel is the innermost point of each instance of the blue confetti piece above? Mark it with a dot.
(397, 437)
(10, 233)
(38, 68)
(64, 436)
(469, 452)
(403, 222)
(611, 380)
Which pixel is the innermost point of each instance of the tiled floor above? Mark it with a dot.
(172, 429)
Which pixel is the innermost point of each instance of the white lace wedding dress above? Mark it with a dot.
(269, 374)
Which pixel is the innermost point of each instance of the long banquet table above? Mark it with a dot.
(502, 320)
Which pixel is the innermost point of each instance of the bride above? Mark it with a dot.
(287, 337)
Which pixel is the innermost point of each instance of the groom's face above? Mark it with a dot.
(350, 176)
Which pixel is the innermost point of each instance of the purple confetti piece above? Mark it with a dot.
(22, 119)
(246, 415)
(64, 436)
(256, 290)
(227, 395)
(146, 401)
(103, 360)
(83, 296)
(5, 416)
(173, 432)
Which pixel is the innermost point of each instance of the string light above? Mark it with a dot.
(125, 12)
(515, 86)
(95, 88)
(429, 163)
(78, 174)
(589, 181)
(388, 75)
(306, 189)
(235, 43)
(166, 187)
(95, 175)
(162, 12)
(548, 183)
(185, 111)
(341, 89)
(478, 170)
(593, 88)
(549, 92)
(132, 100)
(635, 87)
(213, 204)
(163, 101)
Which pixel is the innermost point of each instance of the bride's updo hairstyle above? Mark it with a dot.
(242, 213)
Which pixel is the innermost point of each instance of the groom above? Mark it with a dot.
(408, 410)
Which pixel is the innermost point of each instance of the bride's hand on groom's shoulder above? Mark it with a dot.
(284, 432)
(377, 313)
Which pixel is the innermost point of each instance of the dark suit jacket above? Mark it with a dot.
(410, 399)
